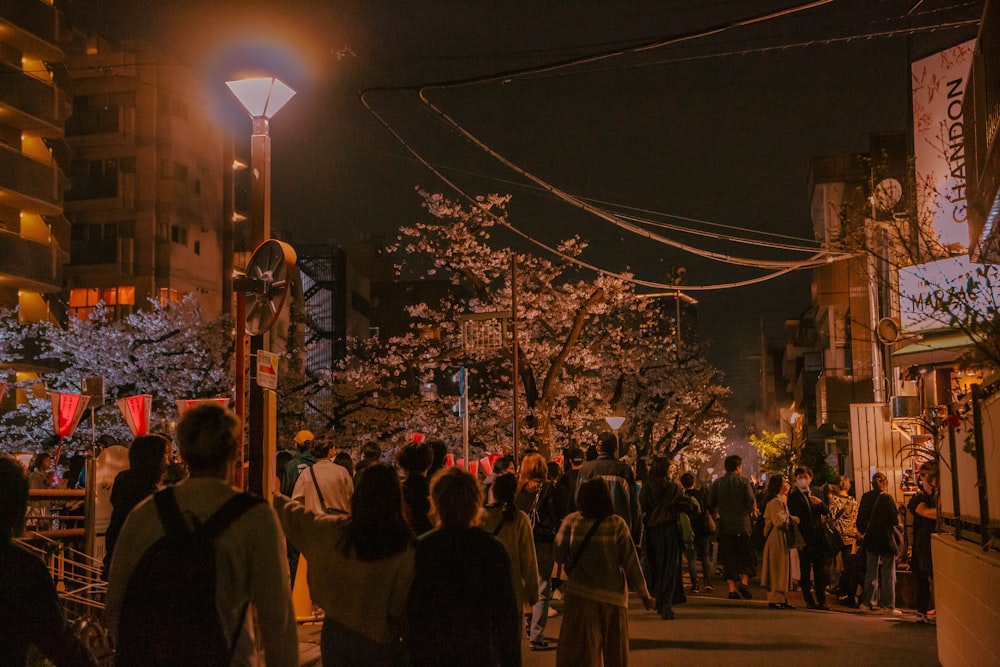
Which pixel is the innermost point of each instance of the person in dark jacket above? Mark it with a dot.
(30, 613)
(876, 518)
(815, 556)
(147, 458)
(923, 507)
(663, 543)
(462, 609)
(731, 497)
(415, 459)
(618, 477)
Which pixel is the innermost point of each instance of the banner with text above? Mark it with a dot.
(938, 86)
(136, 411)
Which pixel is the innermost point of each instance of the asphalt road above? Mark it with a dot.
(713, 631)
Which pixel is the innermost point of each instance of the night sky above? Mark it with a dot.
(719, 129)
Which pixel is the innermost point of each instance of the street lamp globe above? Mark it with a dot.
(262, 97)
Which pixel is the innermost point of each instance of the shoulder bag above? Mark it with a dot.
(322, 500)
(571, 563)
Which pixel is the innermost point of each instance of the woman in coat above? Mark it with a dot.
(662, 501)
(775, 559)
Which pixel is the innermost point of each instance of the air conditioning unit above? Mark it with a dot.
(905, 407)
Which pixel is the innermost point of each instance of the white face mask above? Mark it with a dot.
(802, 484)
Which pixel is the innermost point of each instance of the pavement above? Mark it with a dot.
(711, 630)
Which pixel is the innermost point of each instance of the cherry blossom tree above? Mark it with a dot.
(586, 343)
(166, 351)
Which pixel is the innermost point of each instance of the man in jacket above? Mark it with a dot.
(731, 497)
(815, 556)
(876, 518)
(619, 479)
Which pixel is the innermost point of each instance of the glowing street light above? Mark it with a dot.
(615, 423)
(262, 97)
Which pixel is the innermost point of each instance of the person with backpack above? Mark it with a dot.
(197, 561)
(701, 525)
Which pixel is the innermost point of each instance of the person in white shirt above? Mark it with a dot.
(324, 487)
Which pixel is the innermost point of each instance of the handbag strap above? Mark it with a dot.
(571, 563)
(503, 520)
(874, 507)
(322, 500)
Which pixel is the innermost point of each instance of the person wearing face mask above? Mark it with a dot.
(815, 556)
(923, 507)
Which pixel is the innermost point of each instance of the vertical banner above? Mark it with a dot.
(938, 87)
(185, 403)
(67, 409)
(136, 411)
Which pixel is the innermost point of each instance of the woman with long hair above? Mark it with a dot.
(513, 528)
(360, 569)
(595, 546)
(775, 563)
(540, 499)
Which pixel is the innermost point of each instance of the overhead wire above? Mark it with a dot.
(626, 222)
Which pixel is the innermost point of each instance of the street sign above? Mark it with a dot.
(267, 369)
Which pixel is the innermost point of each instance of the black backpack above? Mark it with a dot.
(169, 615)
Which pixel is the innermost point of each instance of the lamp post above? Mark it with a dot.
(262, 97)
(616, 423)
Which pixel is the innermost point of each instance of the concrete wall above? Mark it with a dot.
(967, 598)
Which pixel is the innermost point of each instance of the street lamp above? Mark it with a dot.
(616, 423)
(262, 97)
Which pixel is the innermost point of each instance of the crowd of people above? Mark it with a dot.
(414, 562)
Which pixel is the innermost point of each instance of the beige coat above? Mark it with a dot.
(520, 546)
(775, 562)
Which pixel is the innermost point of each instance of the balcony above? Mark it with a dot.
(32, 104)
(36, 26)
(31, 265)
(30, 185)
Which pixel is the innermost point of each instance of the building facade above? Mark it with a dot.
(145, 196)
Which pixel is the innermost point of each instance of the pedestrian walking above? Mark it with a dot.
(701, 526)
(324, 487)
(595, 547)
(844, 510)
(662, 543)
(414, 460)
(360, 569)
(539, 498)
(250, 566)
(619, 478)
(148, 457)
(513, 528)
(732, 498)
(462, 609)
(775, 560)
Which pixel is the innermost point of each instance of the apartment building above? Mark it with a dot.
(145, 195)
